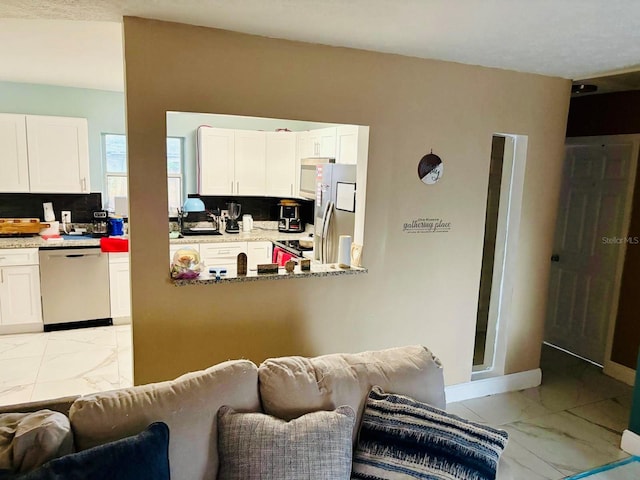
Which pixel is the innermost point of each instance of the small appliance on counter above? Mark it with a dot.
(247, 223)
(194, 219)
(289, 220)
(100, 223)
(232, 225)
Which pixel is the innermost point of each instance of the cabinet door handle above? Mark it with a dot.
(238, 187)
(1, 275)
(224, 252)
(232, 187)
(84, 184)
(291, 189)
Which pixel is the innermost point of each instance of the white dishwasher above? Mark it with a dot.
(74, 284)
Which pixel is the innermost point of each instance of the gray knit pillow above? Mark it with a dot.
(255, 446)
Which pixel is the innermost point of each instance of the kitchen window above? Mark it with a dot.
(115, 159)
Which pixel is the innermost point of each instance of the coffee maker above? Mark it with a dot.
(100, 223)
(290, 217)
(232, 225)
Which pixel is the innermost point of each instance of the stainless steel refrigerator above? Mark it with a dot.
(334, 208)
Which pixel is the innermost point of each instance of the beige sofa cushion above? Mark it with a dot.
(28, 440)
(188, 405)
(293, 386)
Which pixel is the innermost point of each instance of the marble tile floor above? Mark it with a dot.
(571, 423)
(39, 366)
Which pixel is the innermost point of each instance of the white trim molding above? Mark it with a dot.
(493, 385)
(630, 442)
(619, 372)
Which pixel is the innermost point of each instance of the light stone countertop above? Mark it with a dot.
(263, 231)
(317, 270)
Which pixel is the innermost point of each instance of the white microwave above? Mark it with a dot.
(309, 175)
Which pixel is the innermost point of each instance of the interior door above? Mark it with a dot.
(589, 240)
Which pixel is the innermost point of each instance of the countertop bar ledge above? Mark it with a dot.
(317, 270)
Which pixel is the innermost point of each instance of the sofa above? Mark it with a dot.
(240, 420)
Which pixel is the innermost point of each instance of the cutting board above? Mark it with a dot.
(12, 226)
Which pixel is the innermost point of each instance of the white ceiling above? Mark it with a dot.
(568, 38)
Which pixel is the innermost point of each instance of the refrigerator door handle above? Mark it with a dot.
(325, 232)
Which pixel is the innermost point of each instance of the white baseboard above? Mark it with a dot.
(619, 372)
(493, 385)
(121, 320)
(630, 442)
(21, 328)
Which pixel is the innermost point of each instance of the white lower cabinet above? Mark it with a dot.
(222, 255)
(20, 307)
(258, 253)
(225, 254)
(120, 287)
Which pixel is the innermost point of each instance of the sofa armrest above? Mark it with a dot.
(61, 405)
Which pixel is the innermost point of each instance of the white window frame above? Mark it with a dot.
(108, 174)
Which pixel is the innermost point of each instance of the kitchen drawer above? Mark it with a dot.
(18, 256)
(222, 250)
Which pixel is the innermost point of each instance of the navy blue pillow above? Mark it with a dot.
(144, 456)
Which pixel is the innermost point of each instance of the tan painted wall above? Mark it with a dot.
(421, 288)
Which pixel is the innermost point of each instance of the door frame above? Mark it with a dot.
(515, 161)
(611, 368)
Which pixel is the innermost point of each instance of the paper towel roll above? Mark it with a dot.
(344, 251)
(49, 216)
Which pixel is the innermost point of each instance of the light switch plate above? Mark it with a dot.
(66, 216)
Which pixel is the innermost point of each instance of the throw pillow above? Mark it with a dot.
(255, 446)
(403, 438)
(28, 440)
(141, 457)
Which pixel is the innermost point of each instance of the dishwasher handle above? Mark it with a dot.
(66, 254)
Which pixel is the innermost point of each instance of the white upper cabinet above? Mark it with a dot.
(216, 158)
(58, 151)
(250, 162)
(306, 145)
(323, 143)
(351, 144)
(14, 166)
(280, 164)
